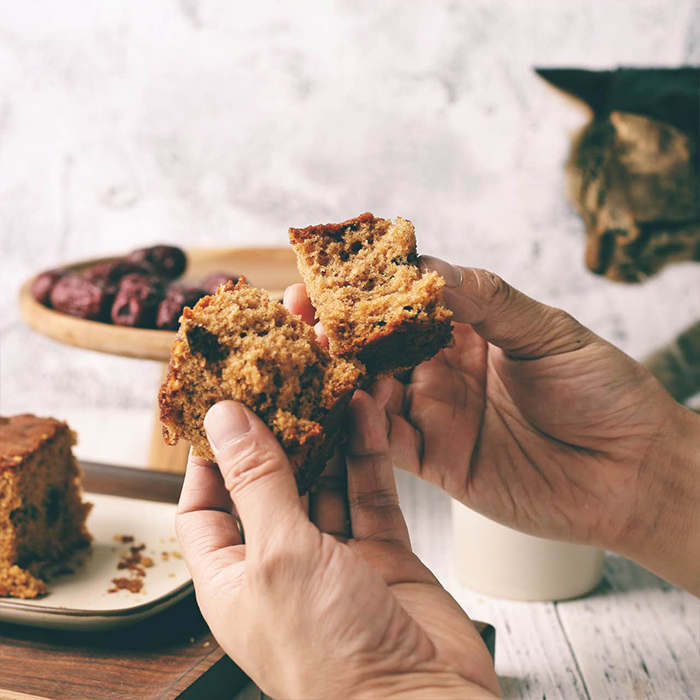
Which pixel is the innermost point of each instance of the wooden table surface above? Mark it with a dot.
(635, 636)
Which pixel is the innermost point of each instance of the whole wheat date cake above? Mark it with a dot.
(362, 276)
(42, 514)
(240, 344)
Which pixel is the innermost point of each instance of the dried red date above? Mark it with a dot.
(177, 298)
(213, 281)
(109, 274)
(137, 300)
(78, 296)
(44, 283)
(167, 260)
(137, 279)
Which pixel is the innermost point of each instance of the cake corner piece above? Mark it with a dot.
(41, 503)
(362, 276)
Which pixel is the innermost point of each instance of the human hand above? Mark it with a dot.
(306, 613)
(536, 422)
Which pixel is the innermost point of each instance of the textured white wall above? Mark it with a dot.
(203, 122)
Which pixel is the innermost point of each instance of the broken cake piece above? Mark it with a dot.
(239, 344)
(42, 514)
(363, 278)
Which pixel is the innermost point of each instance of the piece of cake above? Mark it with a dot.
(42, 514)
(239, 344)
(375, 305)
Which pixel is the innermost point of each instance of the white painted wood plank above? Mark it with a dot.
(533, 657)
(637, 637)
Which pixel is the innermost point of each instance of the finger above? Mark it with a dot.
(207, 532)
(372, 497)
(328, 502)
(381, 391)
(203, 487)
(522, 327)
(321, 335)
(397, 401)
(256, 473)
(297, 301)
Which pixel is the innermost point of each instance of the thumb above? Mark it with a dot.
(256, 472)
(522, 327)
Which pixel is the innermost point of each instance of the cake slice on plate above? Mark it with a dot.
(362, 276)
(241, 345)
(42, 514)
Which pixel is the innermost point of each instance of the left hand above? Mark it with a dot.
(339, 608)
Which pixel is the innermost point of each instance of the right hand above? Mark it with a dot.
(536, 422)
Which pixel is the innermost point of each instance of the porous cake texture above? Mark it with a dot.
(239, 344)
(42, 514)
(363, 278)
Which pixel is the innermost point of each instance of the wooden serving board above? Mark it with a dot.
(273, 269)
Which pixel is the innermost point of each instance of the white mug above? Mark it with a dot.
(496, 560)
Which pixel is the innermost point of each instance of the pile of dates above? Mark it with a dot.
(136, 290)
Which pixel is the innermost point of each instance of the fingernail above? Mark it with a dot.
(320, 334)
(225, 422)
(452, 274)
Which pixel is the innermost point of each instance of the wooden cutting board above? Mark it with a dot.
(173, 655)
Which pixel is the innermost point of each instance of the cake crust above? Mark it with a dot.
(22, 435)
(363, 278)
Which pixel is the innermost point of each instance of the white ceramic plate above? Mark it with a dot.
(80, 600)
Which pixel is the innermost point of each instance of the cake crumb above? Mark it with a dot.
(165, 556)
(130, 584)
(177, 555)
(206, 644)
(134, 562)
(124, 539)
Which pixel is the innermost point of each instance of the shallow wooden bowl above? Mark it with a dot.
(270, 268)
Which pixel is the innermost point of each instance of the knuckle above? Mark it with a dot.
(565, 327)
(564, 320)
(191, 534)
(247, 462)
(378, 499)
(557, 332)
(281, 562)
(269, 569)
(491, 288)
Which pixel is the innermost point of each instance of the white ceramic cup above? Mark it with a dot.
(496, 560)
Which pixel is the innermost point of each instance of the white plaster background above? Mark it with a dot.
(203, 122)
